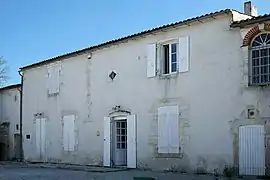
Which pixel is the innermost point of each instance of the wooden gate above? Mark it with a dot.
(251, 150)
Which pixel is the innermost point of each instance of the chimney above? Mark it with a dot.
(250, 9)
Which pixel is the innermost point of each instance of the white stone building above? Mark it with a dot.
(181, 97)
(10, 122)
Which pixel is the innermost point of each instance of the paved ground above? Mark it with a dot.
(8, 172)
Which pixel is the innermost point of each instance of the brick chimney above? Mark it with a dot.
(250, 9)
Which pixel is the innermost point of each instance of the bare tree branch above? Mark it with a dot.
(3, 71)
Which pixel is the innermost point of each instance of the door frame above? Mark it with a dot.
(119, 115)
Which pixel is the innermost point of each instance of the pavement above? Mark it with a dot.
(40, 171)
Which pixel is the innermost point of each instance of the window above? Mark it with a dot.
(259, 60)
(168, 130)
(169, 58)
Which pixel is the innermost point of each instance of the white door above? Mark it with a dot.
(107, 142)
(120, 143)
(40, 138)
(251, 150)
(131, 141)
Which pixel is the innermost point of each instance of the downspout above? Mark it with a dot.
(21, 105)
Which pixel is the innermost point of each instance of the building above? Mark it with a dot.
(182, 96)
(9, 122)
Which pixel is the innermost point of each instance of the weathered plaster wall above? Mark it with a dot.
(254, 98)
(10, 112)
(211, 96)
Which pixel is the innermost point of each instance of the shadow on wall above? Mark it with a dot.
(3, 152)
(4, 141)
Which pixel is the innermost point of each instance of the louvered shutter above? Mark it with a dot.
(173, 129)
(151, 60)
(162, 130)
(68, 133)
(131, 141)
(184, 55)
(107, 141)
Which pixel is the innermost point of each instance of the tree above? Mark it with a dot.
(3, 71)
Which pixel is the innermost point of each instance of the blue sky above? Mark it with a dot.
(31, 30)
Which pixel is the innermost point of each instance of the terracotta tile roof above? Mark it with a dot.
(146, 32)
(253, 20)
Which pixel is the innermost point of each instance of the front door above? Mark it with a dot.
(120, 143)
(40, 138)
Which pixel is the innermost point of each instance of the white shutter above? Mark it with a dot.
(162, 130)
(53, 82)
(65, 134)
(173, 129)
(168, 130)
(68, 133)
(38, 134)
(131, 141)
(57, 79)
(49, 80)
(40, 138)
(184, 59)
(71, 133)
(160, 59)
(43, 136)
(107, 142)
(151, 60)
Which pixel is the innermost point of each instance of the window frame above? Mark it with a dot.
(251, 74)
(170, 43)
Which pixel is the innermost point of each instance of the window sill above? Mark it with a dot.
(169, 155)
(258, 84)
(53, 94)
(168, 76)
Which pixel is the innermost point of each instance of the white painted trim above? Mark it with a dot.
(168, 41)
(261, 26)
(120, 118)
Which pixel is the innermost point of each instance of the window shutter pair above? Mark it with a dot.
(69, 133)
(168, 130)
(53, 83)
(183, 57)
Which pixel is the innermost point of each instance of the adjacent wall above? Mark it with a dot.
(9, 113)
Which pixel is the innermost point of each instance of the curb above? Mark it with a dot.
(64, 167)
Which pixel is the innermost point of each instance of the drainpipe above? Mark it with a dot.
(21, 105)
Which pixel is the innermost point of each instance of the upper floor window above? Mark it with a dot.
(169, 57)
(260, 60)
